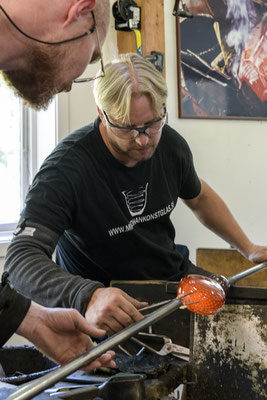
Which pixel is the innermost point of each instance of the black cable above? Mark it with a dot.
(50, 43)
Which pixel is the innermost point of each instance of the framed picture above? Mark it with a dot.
(222, 59)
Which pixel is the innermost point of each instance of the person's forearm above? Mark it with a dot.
(28, 324)
(212, 212)
(34, 274)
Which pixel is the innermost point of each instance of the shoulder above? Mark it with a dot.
(72, 148)
(172, 141)
(77, 137)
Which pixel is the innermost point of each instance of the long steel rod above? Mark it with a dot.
(248, 272)
(29, 390)
(33, 388)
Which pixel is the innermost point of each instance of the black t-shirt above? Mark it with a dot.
(114, 221)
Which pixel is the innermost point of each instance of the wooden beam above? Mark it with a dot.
(152, 29)
(153, 26)
(229, 262)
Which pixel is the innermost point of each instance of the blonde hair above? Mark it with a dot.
(127, 76)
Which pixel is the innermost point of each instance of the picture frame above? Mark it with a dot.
(222, 60)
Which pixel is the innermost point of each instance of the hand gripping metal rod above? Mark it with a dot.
(33, 388)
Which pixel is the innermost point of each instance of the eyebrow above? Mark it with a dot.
(146, 123)
(135, 126)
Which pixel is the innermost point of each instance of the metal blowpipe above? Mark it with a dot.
(244, 274)
(33, 388)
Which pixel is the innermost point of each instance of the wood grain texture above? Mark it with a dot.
(153, 26)
(152, 29)
(229, 262)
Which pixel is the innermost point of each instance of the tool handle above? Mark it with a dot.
(80, 393)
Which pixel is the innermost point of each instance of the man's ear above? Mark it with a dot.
(101, 115)
(77, 9)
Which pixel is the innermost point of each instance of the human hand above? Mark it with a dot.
(112, 309)
(62, 335)
(257, 254)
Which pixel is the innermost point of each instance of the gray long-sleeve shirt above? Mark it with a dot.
(32, 270)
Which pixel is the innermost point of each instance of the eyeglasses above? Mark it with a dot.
(102, 73)
(50, 43)
(152, 128)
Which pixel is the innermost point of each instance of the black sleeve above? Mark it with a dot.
(13, 308)
(33, 272)
(54, 195)
(182, 164)
(191, 185)
(178, 163)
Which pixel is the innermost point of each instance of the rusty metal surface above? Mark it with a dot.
(163, 374)
(230, 354)
(151, 365)
(229, 348)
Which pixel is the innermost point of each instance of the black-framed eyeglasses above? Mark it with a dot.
(102, 73)
(49, 43)
(152, 128)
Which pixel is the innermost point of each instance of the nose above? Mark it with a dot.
(142, 139)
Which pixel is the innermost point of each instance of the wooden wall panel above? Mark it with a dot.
(153, 26)
(229, 262)
(152, 29)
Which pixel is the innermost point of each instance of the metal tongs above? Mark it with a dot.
(167, 348)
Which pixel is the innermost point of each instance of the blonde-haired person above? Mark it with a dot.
(127, 76)
(103, 199)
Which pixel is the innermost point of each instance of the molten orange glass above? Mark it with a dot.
(208, 294)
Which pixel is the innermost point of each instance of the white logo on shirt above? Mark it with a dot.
(136, 200)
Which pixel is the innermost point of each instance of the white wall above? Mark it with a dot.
(229, 155)
(77, 108)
